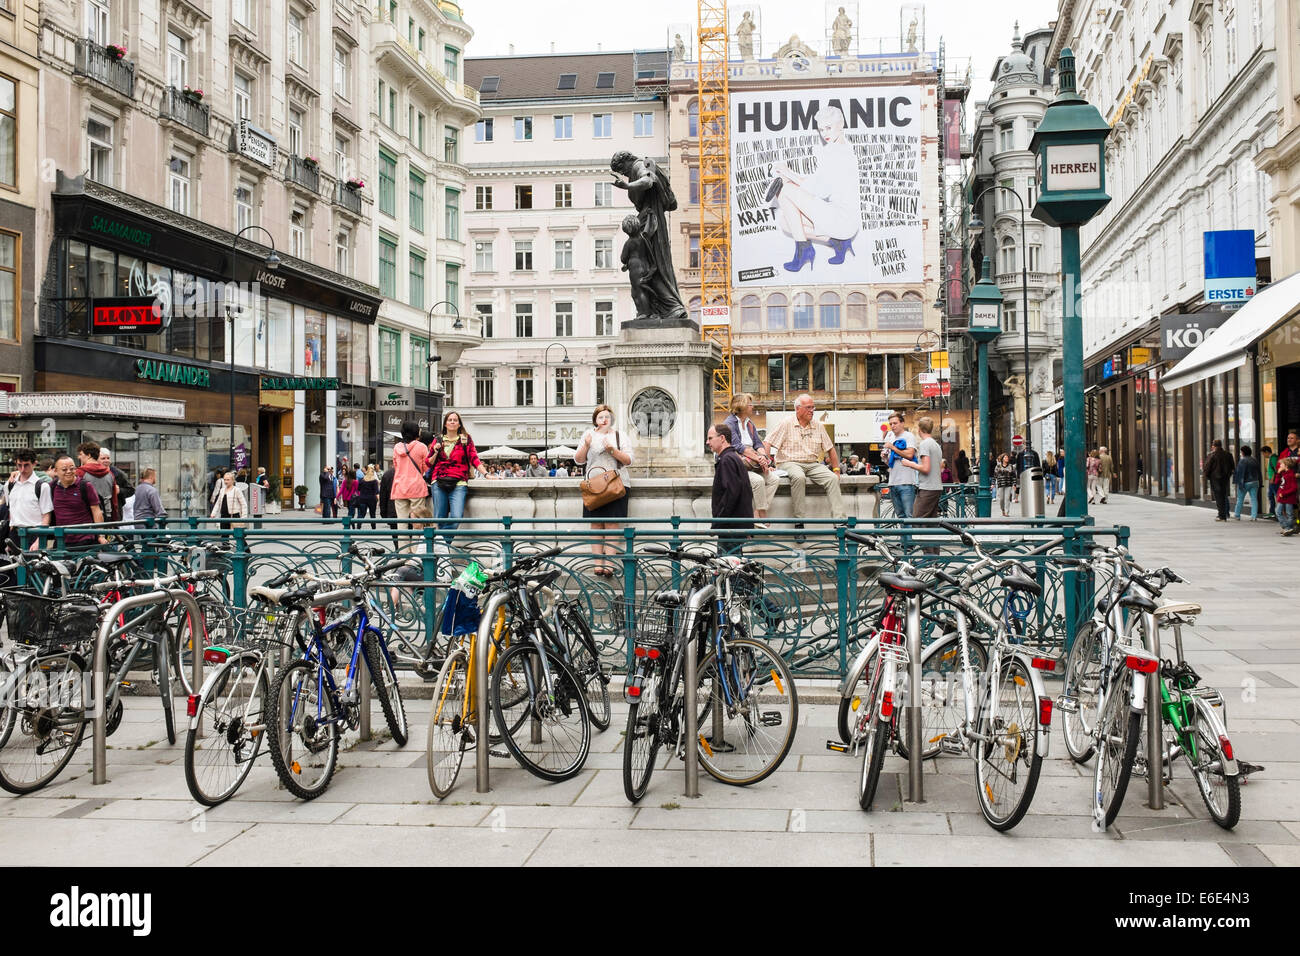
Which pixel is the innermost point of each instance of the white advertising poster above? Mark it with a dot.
(826, 186)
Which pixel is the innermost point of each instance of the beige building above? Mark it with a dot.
(1281, 161)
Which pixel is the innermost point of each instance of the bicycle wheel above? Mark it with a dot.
(165, 684)
(226, 734)
(1118, 731)
(641, 739)
(748, 716)
(873, 757)
(943, 695)
(1007, 760)
(1082, 679)
(851, 704)
(218, 627)
(303, 730)
(547, 729)
(42, 721)
(386, 688)
(585, 659)
(1220, 792)
(448, 731)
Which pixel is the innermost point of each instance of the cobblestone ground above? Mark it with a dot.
(379, 809)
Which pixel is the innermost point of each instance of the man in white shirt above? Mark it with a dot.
(902, 479)
(22, 492)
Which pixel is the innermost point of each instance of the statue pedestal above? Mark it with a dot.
(660, 386)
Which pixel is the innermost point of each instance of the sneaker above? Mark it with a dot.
(1220, 519)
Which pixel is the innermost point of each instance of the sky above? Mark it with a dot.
(980, 32)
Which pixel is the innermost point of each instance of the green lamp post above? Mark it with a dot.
(1072, 189)
(985, 325)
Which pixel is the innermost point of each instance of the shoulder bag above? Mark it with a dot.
(603, 487)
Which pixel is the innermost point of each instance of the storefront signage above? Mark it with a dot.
(715, 315)
(534, 434)
(1137, 355)
(90, 403)
(275, 383)
(985, 317)
(1072, 168)
(156, 370)
(1229, 265)
(1180, 334)
(256, 144)
(1113, 366)
(120, 230)
(394, 398)
(900, 316)
(127, 314)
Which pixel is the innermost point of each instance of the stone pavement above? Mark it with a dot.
(378, 809)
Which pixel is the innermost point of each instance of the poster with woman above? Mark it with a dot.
(826, 186)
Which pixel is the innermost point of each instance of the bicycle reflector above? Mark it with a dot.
(1045, 711)
(1043, 664)
(651, 652)
(887, 704)
(1143, 665)
(1226, 744)
(215, 655)
(192, 705)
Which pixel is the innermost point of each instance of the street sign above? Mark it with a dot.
(1230, 265)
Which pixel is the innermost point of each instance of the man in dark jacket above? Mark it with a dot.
(1218, 472)
(386, 507)
(329, 489)
(732, 495)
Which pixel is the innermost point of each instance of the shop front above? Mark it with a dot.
(1119, 407)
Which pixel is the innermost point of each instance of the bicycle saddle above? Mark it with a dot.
(1178, 608)
(110, 558)
(269, 595)
(543, 580)
(1138, 602)
(904, 584)
(668, 598)
(1018, 582)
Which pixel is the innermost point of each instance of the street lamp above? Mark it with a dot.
(430, 359)
(546, 398)
(272, 262)
(985, 325)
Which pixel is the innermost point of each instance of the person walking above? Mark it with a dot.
(733, 493)
(410, 459)
(603, 449)
(1004, 477)
(1288, 494)
(452, 458)
(328, 490)
(536, 469)
(1106, 473)
(1218, 471)
(231, 505)
(386, 509)
(22, 498)
(902, 479)
(927, 466)
(148, 503)
(100, 477)
(348, 491)
(1049, 476)
(963, 466)
(763, 479)
(1268, 463)
(71, 500)
(125, 490)
(798, 446)
(1093, 467)
(1246, 476)
(367, 495)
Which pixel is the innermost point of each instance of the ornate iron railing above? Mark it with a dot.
(190, 112)
(307, 175)
(94, 61)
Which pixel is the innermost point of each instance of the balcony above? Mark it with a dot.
(389, 44)
(307, 175)
(348, 198)
(186, 111)
(93, 61)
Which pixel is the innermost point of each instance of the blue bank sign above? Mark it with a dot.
(1229, 265)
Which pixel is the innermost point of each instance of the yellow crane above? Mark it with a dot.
(715, 185)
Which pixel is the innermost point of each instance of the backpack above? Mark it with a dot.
(103, 485)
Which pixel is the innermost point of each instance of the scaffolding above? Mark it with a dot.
(715, 186)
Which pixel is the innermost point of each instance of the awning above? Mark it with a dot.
(1225, 350)
(1051, 410)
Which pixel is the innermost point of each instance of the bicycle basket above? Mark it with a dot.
(39, 620)
(643, 623)
(460, 613)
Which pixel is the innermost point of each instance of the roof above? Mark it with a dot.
(564, 75)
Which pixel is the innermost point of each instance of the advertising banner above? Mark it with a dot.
(952, 131)
(826, 185)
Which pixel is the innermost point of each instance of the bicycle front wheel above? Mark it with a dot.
(748, 712)
(386, 688)
(1220, 792)
(218, 627)
(303, 730)
(586, 667)
(448, 725)
(1007, 759)
(228, 729)
(641, 740)
(1118, 730)
(875, 744)
(1082, 680)
(943, 693)
(545, 725)
(42, 721)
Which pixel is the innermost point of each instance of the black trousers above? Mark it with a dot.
(1220, 489)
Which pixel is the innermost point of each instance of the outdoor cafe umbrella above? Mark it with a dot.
(505, 451)
(561, 451)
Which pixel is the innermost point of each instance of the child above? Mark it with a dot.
(636, 263)
(1288, 495)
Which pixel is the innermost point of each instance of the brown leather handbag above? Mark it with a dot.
(603, 487)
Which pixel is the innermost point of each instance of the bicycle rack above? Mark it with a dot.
(479, 677)
(1155, 722)
(690, 680)
(915, 784)
(99, 676)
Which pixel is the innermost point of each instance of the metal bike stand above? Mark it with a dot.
(1155, 743)
(535, 723)
(99, 675)
(479, 677)
(363, 696)
(915, 785)
(691, 731)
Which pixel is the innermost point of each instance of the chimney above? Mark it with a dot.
(512, 49)
(552, 46)
(597, 47)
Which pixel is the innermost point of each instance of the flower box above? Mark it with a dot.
(356, 185)
(115, 52)
(193, 95)
(311, 162)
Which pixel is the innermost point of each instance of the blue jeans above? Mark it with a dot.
(1250, 488)
(1286, 516)
(449, 504)
(904, 497)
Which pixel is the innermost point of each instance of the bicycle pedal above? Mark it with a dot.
(950, 745)
(838, 747)
(771, 718)
(1067, 705)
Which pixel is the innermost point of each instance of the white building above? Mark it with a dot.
(543, 224)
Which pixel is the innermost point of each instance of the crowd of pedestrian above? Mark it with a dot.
(1250, 476)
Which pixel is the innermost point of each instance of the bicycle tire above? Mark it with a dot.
(218, 626)
(873, 759)
(1010, 748)
(586, 667)
(1220, 792)
(563, 724)
(45, 715)
(641, 739)
(1118, 730)
(1082, 674)
(229, 726)
(845, 718)
(745, 753)
(294, 733)
(387, 689)
(445, 743)
(165, 690)
(943, 696)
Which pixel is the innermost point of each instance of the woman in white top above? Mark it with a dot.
(763, 479)
(824, 205)
(229, 501)
(604, 448)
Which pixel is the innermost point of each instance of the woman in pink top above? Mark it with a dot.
(410, 456)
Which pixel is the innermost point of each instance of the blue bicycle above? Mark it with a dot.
(308, 709)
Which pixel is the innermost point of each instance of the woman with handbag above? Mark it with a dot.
(452, 456)
(753, 453)
(229, 501)
(410, 456)
(604, 455)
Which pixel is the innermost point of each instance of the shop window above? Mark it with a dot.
(798, 373)
(875, 372)
(751, 313)
(776, 373)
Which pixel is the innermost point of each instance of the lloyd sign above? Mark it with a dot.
(1072, 168)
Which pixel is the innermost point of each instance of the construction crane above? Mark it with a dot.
(715, 186)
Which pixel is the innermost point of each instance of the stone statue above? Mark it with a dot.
(679, 48)
(654, 284)
(911, 36)
(745, 36)
(841, 33)
(1015, 386)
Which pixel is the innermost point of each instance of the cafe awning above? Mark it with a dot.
(1050, 410)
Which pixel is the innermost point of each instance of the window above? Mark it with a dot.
(693, 191)
(451, 215)
(856, 313)
(243, 96)
(563, 319)
(693, 119)
(490, 84)
(296, 38)
(483, 257)
(604, 318)
(604, 194)
(523, 129)
(564, 126)
(97, 21)
(451, 278)
(390, 350)
(751, 313)
(482, 197)
(776, 310)
(419, 39)
(564, 386)
(387, 107)
(1008, 316)
(450, 144)
(243, 206)
(602, 379)
(485, 313)
(1230, 38)
(523, 255)
(342, 71)
(523, 197)
(342, 150)
(563, 253)
(415, 279)
(829, 310)
(1035, 317)
(604, 81)
(419, 132)
(1007, 260)
(775, 370)
(298, 233)
(523, 386)
(388, 267)
(643, 124)
(483, 130)
(602, 125)
(1006, 138)
(387, 184)
(8, 286)
(295, 124)
(563, 196)
(894, 369)
(178, 60)
(419, 361)
(568, 81)
(243, 11)
(484, 379)
(523, 320)
(179, 184)
(415, 201)
(1207, 63)
(604, 253)
(875, 372)
(802, 313)
(343, 251)
(100, 135)
(1035, 257)
(693, 252)
(451, 63)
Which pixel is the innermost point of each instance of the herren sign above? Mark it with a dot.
(1075, 167)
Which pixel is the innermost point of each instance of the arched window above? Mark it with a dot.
(693, 118)
(829, 310)
(776, 310)
(1007, 256)
(911, 297)
(856, 313)
(886, 297)
(803, 310)
(695, 310)
(751, 313)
